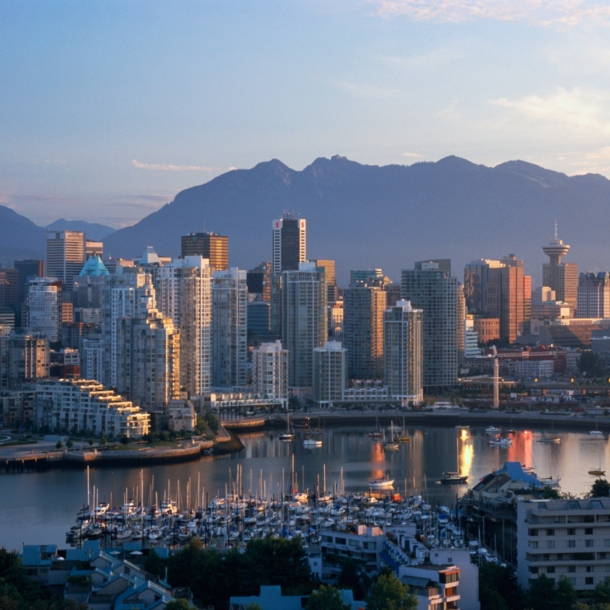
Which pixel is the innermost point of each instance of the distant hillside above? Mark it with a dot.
(94, 231)
(19, 237)
(368, 216)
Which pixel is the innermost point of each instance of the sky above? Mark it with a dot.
(109, 108)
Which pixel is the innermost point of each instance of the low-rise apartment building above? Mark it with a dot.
(564, 538)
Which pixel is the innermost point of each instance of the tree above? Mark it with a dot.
(351, 577)
(124, 440)
(58, 445)
(388, 593)
(90, 441)
(212, 421)
(498, 588)
(178, 604)
(154, 564)
(590, 364)
(542, 594)
(549, 493)
(253, 606)
(600, 489)
(601, 594)
(69, 444)
(326, 598)
(566, 595)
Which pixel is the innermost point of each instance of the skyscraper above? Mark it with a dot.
(184, 294)
(594, 295)
(270, 370)
(332, 292)
(431, 288)
(212, 246)
(229, 328)
(65, 255)
(44, 308)
(27, 269)
(304, 322)
(404, 352)
(330, 372)
(289, 243)
(364, 304)
(561, 277)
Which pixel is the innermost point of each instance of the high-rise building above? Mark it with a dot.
(330, 373)
(594, 295)
(497, 289)
(27, 269)
(229, 328)
(304, 323)
(94, 248)
(9, 287)
(289, 243)
(561, 277)
(184, 295)
(126, 293)
(270, 370)
(259, 282)
(44, 308)
(403, 329)
(332, 292)
(23, 359)
(431, 288)
(65, 255)
(361, 275)
(212, 246)
(364, 304)
(148, 359)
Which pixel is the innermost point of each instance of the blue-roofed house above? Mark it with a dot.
(37, 560)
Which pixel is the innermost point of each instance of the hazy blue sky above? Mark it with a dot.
(109, 108)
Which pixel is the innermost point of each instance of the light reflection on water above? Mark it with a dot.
(39, 508)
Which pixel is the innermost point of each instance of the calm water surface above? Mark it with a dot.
(38, 508)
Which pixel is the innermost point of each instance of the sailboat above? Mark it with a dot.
(402, 435)
(546, 438)
(451, 478)
(391, 445)
(289, 434)
(377, 433)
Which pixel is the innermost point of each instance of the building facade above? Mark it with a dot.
(363, 305)
(404, 352)
(212, 246)
(23, 359)
(289, 243)
(559, 276)
(44, 308)
(304, 323)
(431, 288)
(65, 255)
(330, 373)
(270, 370)
(593, 295)
(229, 328)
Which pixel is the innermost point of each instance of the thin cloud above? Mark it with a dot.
(410, 154)
(579, 110)
(174, 168)
(546, 13)
(366, 91)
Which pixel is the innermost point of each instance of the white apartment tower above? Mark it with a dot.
(229, 328)
(289, 243)
(304, 321)
(330, 373)
(43, 308)
(125, 294)
(65, 255)
(270, 370)
(404, 352)
(184, 295)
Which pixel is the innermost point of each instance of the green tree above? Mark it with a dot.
(178, 604)
(212, 421)
(590, 364)
(253, 606)
(326, 598)
(542, 594)
(58, 445)
(124, 440)
(388, 593)
(351, 577)
(601, 594)
(90, 441)
(600, 489)
(566, 595)
(550, 493)
(154, 564)
(69, 444)
(498, 588)
(103, 440)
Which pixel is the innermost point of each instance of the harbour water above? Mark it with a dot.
(38, 508)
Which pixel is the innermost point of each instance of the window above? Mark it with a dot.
(606, 541)
(571, 531)
(589, 569)
(340, 541)
(589, 543)
(550, 544)
(588, 531)
(571, 544)
(572, 569)
(589, 580)
(550, 570)
(532, 532)
(607, 568)
(572, 580)
(533, 544)
(533, 570)
(550, 532)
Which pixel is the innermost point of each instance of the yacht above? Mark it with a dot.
(383, 483)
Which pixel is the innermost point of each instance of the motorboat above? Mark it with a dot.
(310, 443)
(501, 441)
(453, 478)
(383, 483)
(492, 430)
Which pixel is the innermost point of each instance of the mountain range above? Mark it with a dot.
(366, 216)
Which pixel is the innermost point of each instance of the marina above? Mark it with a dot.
(345, 465)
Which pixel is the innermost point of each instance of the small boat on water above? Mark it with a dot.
(453, 478)
(596, 433)
(310, 443)
(462, 427)
(377, 433)
(597, 472)
(501, 441)
(289, 434)
(492, 430)
(549, 439)
(383, 483)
